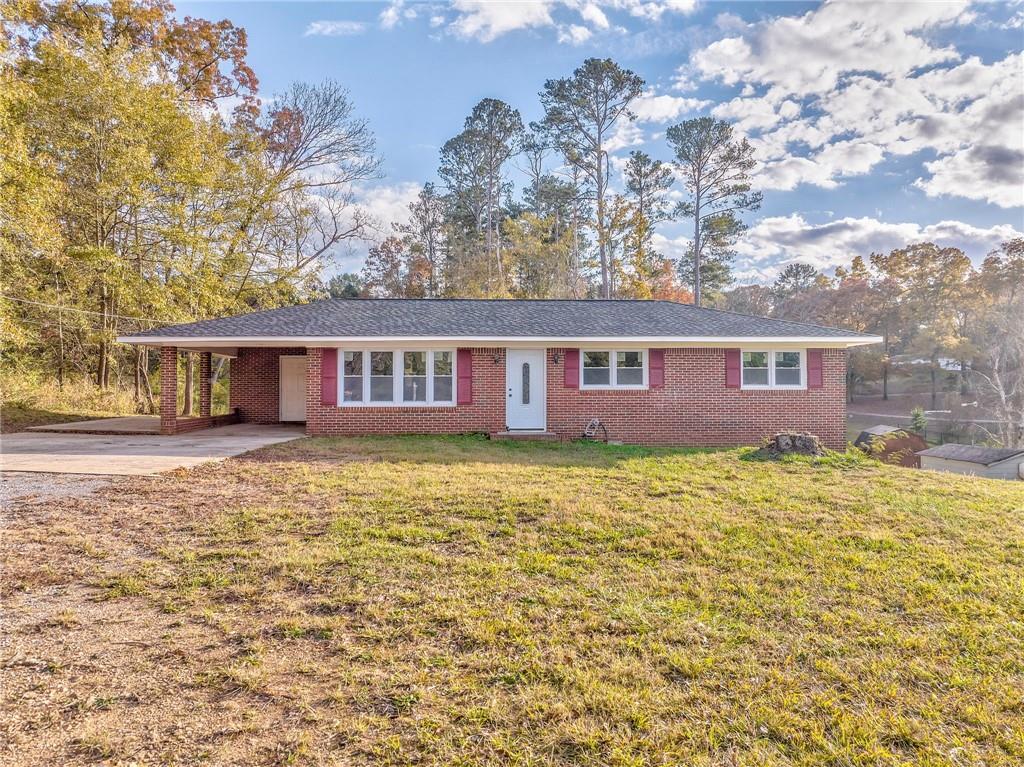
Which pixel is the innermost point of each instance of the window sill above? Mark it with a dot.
(592, 387)
(396, 405)
(773, 388)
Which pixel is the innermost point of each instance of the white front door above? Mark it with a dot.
(293, 388)
(525, 379)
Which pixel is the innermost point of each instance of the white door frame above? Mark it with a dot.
(542, 356)
(280, 387)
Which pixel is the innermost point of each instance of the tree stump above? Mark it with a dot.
(800, 443)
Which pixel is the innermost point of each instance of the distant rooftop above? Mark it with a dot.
(986, 456)
(866, 436)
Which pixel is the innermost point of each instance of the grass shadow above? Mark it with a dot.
(452, 449)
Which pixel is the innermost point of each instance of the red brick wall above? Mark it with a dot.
(168, 389)
(694, 407)
(485, 414)
(254, 385)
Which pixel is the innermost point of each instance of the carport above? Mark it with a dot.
(170, 421)
(267, 383)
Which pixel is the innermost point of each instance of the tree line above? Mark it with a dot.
(143, 183)
(574, 231)
(925, 301)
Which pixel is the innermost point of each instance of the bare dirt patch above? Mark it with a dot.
(27, 486)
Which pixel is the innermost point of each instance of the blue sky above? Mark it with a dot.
(875, 125)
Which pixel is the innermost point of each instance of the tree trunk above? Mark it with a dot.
(101, 373)
(602, 245)
(60, 339)
(189, 375)
(885, 365)
(933, 377)
(965, 388)
(148, 388)
(101, 351)
(696, 252)
(137, 378)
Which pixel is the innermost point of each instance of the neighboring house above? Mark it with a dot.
(652, 372)
(892, 444)
(992, 462)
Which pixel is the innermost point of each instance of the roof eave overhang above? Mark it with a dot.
(212, 343)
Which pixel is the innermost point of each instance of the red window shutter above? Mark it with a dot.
(329, 377)
(815, 376)
(465, 381)
(732, 368)
(656, 368)
(572, 368)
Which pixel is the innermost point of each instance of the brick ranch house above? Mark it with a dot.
(648, 372)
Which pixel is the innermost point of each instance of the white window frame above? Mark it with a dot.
(398, 383)
(613, 370)
(771, 370)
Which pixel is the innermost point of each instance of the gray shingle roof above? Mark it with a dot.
(866, 436)
(486, 318)
(986, 456)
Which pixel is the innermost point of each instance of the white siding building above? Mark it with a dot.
(991, 462)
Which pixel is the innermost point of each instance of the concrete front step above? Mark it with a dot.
(535, 436)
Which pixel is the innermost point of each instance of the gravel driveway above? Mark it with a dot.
(40, 486)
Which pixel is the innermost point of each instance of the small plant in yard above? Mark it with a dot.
(94, 746)
(124, 585)
(918, 420)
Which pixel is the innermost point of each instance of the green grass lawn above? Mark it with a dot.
(458, 601)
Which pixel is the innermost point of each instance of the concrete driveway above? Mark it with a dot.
(134, 454)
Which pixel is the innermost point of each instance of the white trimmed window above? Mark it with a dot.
(613, 369)
(773, 369)
(412, 377)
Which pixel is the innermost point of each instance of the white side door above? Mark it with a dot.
(293, 388)
(525, 383)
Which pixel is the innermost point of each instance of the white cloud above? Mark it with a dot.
(387, 204)
(662, 109)
(328, 28)
(774, 241)
(487, 21)
(807, 54)
(391, 15)
(670, 247)
(838, 90)
(652, 10)
(753, 113)
(980, 172)
(730, 22)
(397, 12)
(627, 134)
(573, 34)
(381, 206)
(593, 15)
